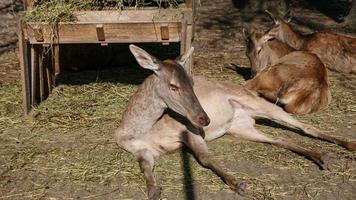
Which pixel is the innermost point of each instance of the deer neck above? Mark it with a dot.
(144, 108)
(292, 38)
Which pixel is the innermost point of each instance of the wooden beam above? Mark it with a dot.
(186, 41)
(34, 74)
(100, 32)
(164, 32)
(188, 44)
(114, 33)
(38, 34)
(56, 58)
(189, 3)
(183, 36)
(41, 74)
(47, 74)
(24, 70)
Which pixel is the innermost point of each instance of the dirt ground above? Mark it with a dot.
(65, 149)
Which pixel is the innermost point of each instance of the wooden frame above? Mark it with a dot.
(149, 25)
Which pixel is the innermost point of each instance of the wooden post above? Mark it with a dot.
(34, 74)
(183, 36)
(47, 65)
(186, 41)
(56, 56)
(49, 72)
(23, 55)
(41, 73)
(192, 4)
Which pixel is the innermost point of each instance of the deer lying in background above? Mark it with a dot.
(166, 112)
(336, 51)
(296, 79)
(263, 52)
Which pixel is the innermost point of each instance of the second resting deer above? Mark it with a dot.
(297, 80)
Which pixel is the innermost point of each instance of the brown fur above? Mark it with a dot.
(271, 51)
(336, 51)
(297, 79)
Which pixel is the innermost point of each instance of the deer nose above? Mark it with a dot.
(204, 120)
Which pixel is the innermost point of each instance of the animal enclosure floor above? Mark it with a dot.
(66, 149)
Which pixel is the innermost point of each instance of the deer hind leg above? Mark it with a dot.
(197, 144)
(273, 112)
(146, 161)
(243, 127)
(303, 101)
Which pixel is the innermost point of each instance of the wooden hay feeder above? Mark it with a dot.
(148, 25)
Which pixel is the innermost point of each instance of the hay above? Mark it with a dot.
(66, 148)
(68, 141)
(55, 11)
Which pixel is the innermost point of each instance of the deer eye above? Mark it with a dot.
(173, 87)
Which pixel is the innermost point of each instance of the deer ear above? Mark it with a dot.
(288, 15)
(183, 59)
(146, 60)
(246, 33)
(274, 18)
(272, 33)
(267, 37)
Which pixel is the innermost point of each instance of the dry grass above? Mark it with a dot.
(65, 149)
(68, 140)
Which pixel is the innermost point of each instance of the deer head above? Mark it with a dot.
(174, 86)
(254, 49)
(281, 27)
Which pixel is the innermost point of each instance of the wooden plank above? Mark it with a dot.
(164, 32)
(183, 36)
(188, 38)
(100, 32)
(194, 11)
(56, 60)
(189, 3)
(24, 70)
(41, 74)
(34, 74)
(46, 73)
(49, 76)
(129, 16)
(27, 4)
(188, 44)
(114, 33)
(38, 34)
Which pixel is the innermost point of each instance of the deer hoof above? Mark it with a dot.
(241, 188)
(323, 162)
(154, 193)
(238, 187)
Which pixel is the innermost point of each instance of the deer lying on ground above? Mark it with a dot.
(296, 79)
(167, 112)
(336, 51)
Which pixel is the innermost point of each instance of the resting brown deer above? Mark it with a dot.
(262, 51)
(296, 79)
(336, 51)
(167, 111)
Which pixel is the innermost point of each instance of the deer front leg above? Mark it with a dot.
(197, 144)
(146, 162)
